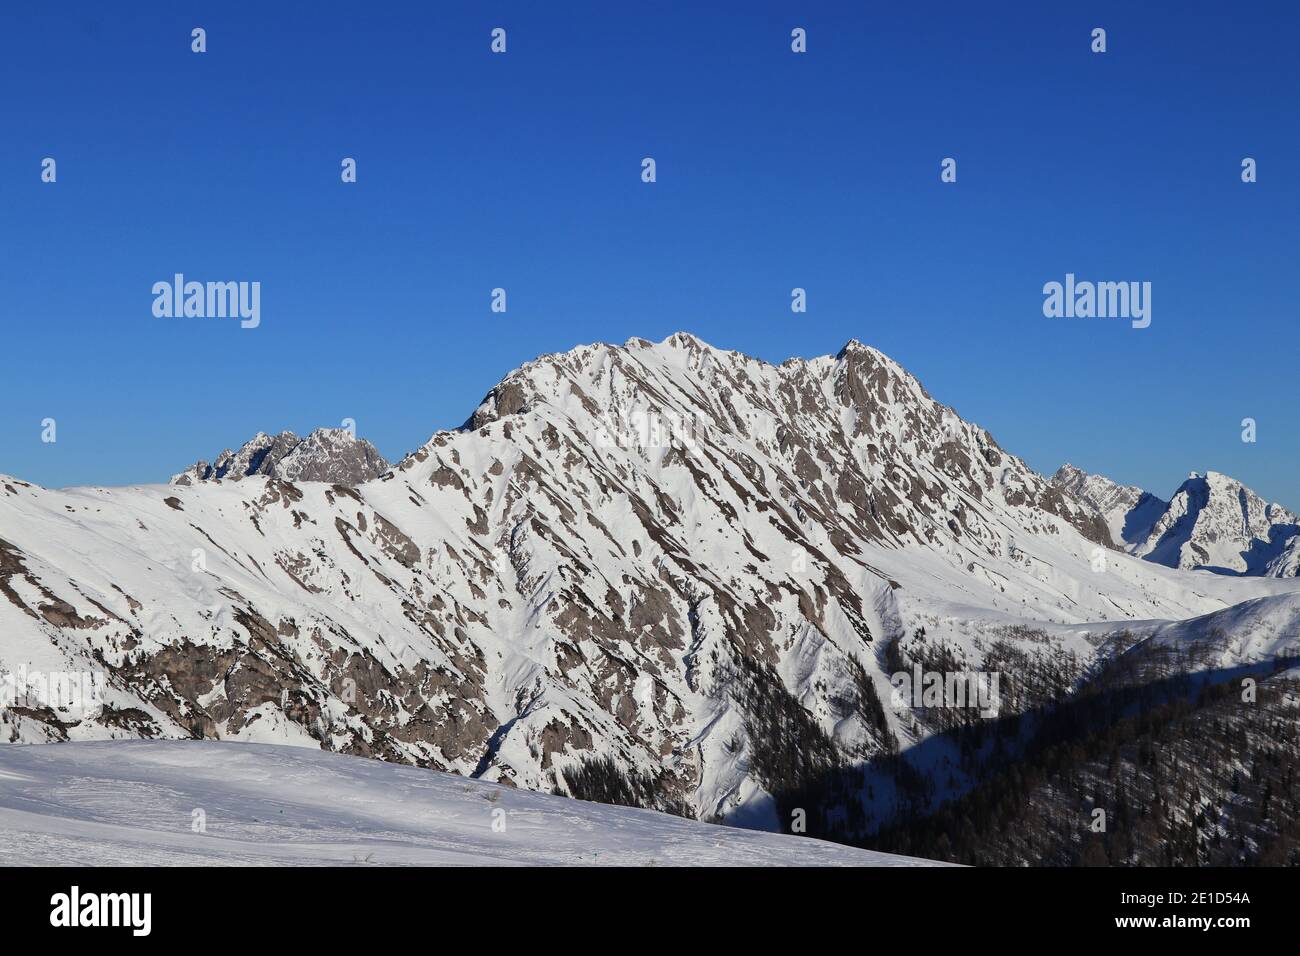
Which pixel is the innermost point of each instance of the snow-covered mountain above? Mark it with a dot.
(688, 563)
(160, 803)
(327, 454)
(1212, 521)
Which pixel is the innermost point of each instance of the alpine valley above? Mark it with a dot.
(676, 577)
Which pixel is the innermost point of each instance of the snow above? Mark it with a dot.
(137, 802)
(1129, 511)
(1212, 521)
(517, 594)
(1260, 631)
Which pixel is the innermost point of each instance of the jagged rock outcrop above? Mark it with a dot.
(327, 454)
(1129, 512)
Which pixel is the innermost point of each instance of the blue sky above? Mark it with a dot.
(775, 170)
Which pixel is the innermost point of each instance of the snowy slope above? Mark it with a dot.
(633, 551)
(1260, 631)
(134, 803)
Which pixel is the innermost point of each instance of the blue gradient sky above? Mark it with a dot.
(523, 171)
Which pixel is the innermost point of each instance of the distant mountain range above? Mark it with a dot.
(1212, 521)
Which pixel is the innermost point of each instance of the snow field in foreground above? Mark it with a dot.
(157, 803)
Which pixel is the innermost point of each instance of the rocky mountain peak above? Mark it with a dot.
(1211, 521)
(1215, 521)
(853, 346)
(1129, 511)
(685, 340)
(327, 454)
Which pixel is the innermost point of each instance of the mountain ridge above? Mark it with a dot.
(334, 455)
(1212, 521)
(668, 556)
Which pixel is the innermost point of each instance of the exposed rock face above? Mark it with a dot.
(1129, 512)
(327, 454)
(685, 560)
(1287, 562)
(1213, 521)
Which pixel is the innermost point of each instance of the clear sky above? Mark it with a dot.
(522, 171)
